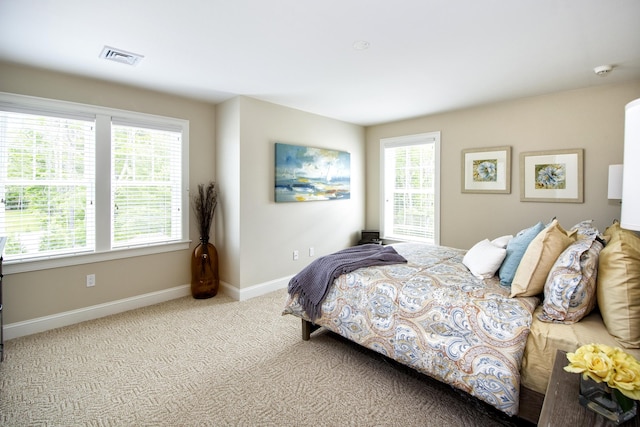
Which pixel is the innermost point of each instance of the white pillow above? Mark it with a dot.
(484, 259)
(502, 241)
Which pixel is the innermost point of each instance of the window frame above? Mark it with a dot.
(404, 141)
(103, 119)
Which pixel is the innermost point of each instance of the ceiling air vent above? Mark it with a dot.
(119, 55)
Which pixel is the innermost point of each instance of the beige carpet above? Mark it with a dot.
(216, 362)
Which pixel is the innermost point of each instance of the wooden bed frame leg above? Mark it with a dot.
(307, 329)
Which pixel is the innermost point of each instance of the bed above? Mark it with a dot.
(453, 320)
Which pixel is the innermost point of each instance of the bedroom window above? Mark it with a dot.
(410, 187)
(81, 184)
(47, 169)
(145, 185)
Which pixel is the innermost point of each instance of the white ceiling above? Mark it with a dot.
(425, 56)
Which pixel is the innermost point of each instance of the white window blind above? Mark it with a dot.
(146, 185)
(81, 183)
(410, 186)
(47, 176)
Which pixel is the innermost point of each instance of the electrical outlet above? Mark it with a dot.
(296, 255)
(91, 280)
(312, 252)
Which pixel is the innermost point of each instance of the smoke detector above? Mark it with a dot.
(119, 55)
(361, 45)
(603, 70)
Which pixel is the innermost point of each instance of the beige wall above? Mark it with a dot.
(233, 143)
(259, 235)
(228, 178)
(47, 292)
(592, 119)
(254, 235)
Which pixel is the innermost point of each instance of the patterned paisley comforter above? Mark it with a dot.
(433, 315)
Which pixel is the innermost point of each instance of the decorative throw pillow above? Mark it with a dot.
(502, 241)
(618, 287)
(515, 250)
(484, 259)
(538, 259)
(585, 230)
(570, 290)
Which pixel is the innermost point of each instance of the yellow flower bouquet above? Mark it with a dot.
(612, 367)
(607, 364)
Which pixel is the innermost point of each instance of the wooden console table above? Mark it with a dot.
(561, 406)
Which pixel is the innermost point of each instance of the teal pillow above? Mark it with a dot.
(515, 251)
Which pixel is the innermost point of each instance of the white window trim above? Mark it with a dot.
(24, 102)
(404, 141)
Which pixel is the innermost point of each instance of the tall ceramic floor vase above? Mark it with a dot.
(204, 271)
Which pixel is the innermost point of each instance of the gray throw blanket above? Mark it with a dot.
(312, 283)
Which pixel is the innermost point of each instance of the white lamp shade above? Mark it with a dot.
(630, 215)
(615, 182)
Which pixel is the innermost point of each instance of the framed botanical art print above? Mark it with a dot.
(552, 176)
(486, 170)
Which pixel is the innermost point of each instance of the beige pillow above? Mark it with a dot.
(538, 259)
(618, 288)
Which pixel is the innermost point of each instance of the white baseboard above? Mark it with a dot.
(258, 290)
(41, 324)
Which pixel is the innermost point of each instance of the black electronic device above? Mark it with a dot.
(370, 236)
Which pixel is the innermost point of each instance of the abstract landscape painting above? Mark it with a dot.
(305, 174)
